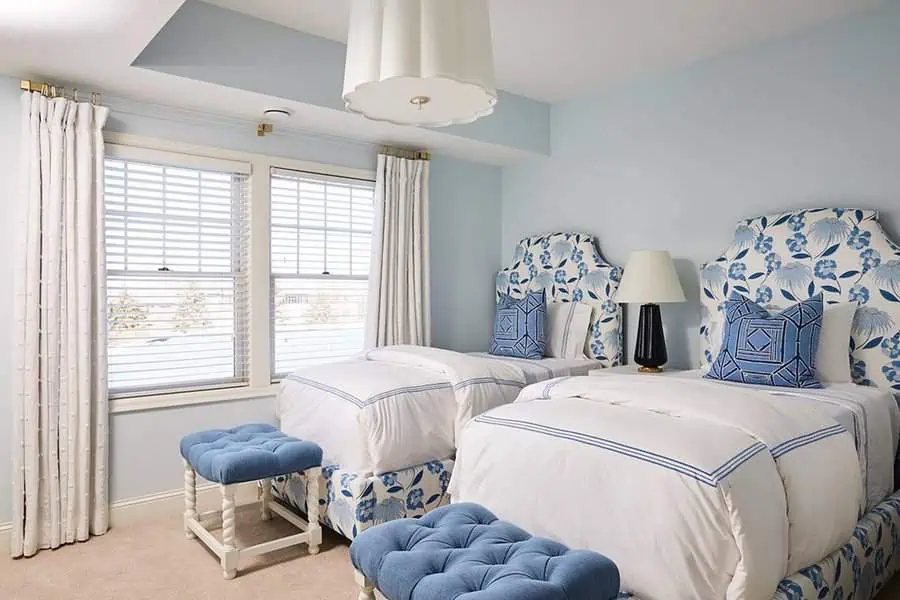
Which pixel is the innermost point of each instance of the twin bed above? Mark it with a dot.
(701, 489)
(388, 420)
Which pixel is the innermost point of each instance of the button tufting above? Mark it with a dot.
(248, 453)
(463, 549)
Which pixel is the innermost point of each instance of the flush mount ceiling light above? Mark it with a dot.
(277, 114)
(420, 62)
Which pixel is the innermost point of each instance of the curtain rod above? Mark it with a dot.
(54, 91)
(404, 153)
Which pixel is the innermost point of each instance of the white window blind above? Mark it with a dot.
(321, 237)
(176, 244)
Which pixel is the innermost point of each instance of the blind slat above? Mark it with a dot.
(177, 297)
(321, 237)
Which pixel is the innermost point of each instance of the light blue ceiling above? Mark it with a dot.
(215, 45)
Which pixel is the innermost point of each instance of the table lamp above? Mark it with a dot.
(649, 280)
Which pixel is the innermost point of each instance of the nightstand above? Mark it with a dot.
(632, 370)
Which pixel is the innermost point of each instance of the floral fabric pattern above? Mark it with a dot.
(842, 253)
(855, 571)
(568, 267)
(350, 503)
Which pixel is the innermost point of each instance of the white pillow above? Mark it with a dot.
(567, 327)
(833, 355)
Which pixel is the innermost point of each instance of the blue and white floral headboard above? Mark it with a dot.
(841, 252)
(569, 268)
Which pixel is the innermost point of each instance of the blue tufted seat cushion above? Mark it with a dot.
(463, 552)
(247, 453)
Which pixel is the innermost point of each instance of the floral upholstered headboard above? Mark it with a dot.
(841, 252)
(569, 268)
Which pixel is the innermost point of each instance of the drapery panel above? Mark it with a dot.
(399, 291)
(60, 422)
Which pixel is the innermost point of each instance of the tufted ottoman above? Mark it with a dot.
(463, 552)
(255, 452)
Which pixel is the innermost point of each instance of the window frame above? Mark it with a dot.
(260, 384)
(238, 277)
(275, 376)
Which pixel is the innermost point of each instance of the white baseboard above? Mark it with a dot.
(155, 507)
(5, 533)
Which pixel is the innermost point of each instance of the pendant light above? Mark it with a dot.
(420, 62)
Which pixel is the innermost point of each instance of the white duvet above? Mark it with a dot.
(696, 490)
(869, 413)
(395, 406)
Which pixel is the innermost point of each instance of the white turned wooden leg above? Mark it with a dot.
(190, 498)
(265, 498)
(231, 554)
(312, 508)
(366, 589)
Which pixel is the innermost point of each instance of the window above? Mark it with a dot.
(321, 238)
(176, 246)
(211, 296)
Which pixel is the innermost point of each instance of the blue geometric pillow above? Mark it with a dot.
(766, 349)
(519, 326)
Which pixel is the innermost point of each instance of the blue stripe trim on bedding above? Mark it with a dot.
(550, 384)
(805, 439)
(327, 389)
(373, 399)
(494, 380)
(569, 317)
(672, 464)
(412, 389)
(737, 460)
(842, 399)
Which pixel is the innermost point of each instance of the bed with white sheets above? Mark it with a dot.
(403, 405)
(702, 489)
(388, 419)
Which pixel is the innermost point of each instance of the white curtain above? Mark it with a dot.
(59, 453)
(399, 305)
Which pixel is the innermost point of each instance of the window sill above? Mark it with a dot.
(160, 401)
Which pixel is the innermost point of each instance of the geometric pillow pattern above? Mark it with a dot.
(519, 326)
(765, 349)
(783, 258)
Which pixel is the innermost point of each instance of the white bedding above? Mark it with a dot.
(546, 368)
(696, 490)
(398, 406)
(869, 413)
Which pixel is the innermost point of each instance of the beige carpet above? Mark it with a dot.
(154, 561)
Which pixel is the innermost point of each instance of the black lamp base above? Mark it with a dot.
(650, 347)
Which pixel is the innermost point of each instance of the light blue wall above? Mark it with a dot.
(9, 181)
(672, 162)
(465, 222)
(216, 45)
(465, 256)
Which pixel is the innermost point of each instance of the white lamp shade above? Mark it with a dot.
(399, 51)
(650, 278)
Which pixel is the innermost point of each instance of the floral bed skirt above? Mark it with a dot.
(350, 503)
(858, 569)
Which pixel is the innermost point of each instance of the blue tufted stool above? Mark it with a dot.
(464, 552)
(255, 452)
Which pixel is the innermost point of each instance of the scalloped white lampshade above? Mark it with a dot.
(649, 278)
(420, 62)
